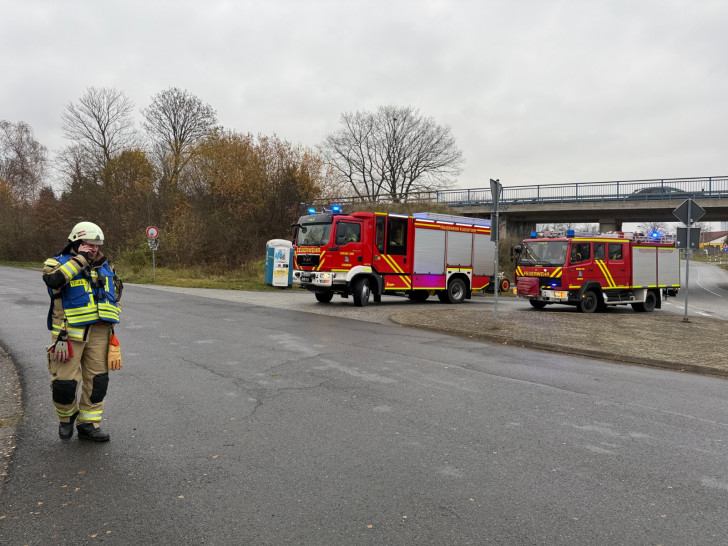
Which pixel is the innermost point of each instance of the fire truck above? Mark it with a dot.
(368, 254)
(594, 272)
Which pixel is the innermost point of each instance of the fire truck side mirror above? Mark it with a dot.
(515, 252)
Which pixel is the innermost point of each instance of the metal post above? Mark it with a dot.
(688, 253)
(497, 279)
(495, 191)
(154, 267)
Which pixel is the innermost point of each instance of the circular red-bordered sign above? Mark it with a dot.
(152, 232)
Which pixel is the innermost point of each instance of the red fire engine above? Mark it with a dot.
(367, 254)
(596, 271)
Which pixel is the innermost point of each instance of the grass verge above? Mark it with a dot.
(249, 277)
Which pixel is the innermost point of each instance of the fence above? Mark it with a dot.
(632, 190)
(678, 189)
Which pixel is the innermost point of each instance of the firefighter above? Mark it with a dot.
(84, 308)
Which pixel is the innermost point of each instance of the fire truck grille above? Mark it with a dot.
(308, 260)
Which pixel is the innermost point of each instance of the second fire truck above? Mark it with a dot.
(367, 254)
(593, 272)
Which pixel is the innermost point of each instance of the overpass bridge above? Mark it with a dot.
(610, 204)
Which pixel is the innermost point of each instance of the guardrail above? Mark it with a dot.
(631, 190)
(677, 189)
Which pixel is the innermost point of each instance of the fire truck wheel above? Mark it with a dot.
(324, 297)
(361, 292)
(649, 304)
(589, 302)
(537, 304)
(456, 291)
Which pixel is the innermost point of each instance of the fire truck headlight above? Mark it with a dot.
(325, 276)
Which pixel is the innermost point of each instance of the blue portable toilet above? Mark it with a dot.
(279, 262)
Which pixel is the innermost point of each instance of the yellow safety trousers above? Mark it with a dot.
(89, 360)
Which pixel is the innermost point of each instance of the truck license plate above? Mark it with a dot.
(305, 278)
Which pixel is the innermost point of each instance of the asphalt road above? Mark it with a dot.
(707, 293)
(236, 422)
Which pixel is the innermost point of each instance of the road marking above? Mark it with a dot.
(697, 281)
(701, 286)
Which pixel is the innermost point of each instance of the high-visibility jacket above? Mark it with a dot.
(89, 297)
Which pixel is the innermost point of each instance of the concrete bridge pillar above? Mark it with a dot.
(609, 224)
(518, 229)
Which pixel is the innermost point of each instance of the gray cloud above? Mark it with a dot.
(535, 92)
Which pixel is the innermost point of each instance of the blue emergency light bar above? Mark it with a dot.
(336, 209)
(311, 210)
(570, 233)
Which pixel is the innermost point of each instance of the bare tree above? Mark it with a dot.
(22, 160)
(177, 121)
(567, 226)
(76, 167)
(652, 228)
(392, 153)
(100, 124)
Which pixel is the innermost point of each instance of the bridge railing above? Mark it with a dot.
(644, 190)
(678, 189)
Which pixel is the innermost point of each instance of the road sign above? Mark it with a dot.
(152, 232)
(496, 188)
(689, 212)
(495, 191)
(688, 237)
(153, 243)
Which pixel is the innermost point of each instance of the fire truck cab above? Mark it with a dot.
(367, 254)
(594, 271)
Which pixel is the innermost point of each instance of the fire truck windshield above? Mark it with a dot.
(547, 253)
(313, 235)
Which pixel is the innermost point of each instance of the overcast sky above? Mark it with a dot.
(535, 91)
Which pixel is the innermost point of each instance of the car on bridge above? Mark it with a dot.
(659, 192)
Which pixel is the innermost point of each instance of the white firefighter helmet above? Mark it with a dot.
(88, 232)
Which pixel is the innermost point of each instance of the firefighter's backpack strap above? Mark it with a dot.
(49, 320)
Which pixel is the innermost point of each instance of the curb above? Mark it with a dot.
(11, 411)
(622, 359)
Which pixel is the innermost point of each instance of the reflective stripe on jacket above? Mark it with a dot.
(89, 297)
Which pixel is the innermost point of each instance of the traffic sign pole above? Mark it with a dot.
(685, 213)
(152, 234)
(688, 255)
(495, 191)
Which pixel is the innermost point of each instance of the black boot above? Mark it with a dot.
(87, 431)
(65, 430)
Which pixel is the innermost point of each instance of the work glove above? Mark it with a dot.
(114, 355)
(61, 350)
